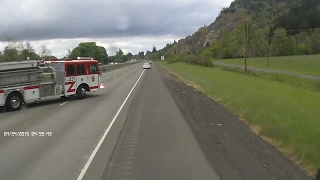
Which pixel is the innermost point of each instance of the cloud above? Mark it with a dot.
(46, 19)
(108, 20)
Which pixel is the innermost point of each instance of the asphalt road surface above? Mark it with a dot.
(166, 148)
(142, 126)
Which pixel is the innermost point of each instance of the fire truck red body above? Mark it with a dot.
(33, 81)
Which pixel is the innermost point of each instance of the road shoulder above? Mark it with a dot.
(234, 151)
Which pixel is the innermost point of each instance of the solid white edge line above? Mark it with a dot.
(64, 103)
(84, 170)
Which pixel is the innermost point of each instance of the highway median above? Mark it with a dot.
(116, 66)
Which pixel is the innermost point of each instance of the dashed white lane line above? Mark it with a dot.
(64, 103)
(115, 77)
(86, 166)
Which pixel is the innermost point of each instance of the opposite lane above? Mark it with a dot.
(76, 128)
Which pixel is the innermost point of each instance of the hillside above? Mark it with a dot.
(273, 23)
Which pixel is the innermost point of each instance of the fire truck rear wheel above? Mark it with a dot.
(14, 101)
(81, 92)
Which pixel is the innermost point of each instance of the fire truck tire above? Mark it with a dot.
(81, 92)
(14, 101)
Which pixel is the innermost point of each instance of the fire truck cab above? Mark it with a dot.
(33, 81)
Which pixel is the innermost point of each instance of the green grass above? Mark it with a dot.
(283, 78)
(308, 64)
(287, 114)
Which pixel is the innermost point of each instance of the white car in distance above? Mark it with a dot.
(146, 66)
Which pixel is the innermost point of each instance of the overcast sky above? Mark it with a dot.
(132, 25)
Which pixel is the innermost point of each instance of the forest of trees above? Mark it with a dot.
(261, 44)
(16, 51)
(19, 51)
(293, 28)
(276, 28)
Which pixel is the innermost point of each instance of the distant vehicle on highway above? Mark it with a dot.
(146, 66)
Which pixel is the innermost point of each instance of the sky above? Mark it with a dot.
(132, 25)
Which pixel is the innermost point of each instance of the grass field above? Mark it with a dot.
(286, 115)
(283, 78)
(308, 64)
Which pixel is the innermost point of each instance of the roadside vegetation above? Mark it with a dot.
(23, 50)
(283, 109)
(287, 116)
(302, 64)
(310, 84)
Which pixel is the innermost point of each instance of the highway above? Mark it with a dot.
(154, 140)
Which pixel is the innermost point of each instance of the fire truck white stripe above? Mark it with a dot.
(84, 170)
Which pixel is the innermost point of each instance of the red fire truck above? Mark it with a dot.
(33, 81)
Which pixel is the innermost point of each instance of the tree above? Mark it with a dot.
(174, 41)
(129, 55)
(10, 52)
(45, 53)
(120, 56)
(281, 44)
(119, 52)
(90, 49)
(141, 55)
(101, 54)
(26, 50)
(18, 51)
(154, 49)
(68, 55)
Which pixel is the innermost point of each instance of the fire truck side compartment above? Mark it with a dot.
(59, 73)
(47, 89)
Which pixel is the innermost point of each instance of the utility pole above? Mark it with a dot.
(269, 35)
(268, 50)
(245, 34)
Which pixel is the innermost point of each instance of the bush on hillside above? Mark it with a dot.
(190, 59)
(199, 60)
(174, 59)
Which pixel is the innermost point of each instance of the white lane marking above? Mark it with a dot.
(115, 77)
(64, 103)
(84, 170)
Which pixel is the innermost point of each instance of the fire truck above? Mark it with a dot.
(33, 81)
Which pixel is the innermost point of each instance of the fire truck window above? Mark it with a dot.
(93, 68)
(81, 70)
(71, 70)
